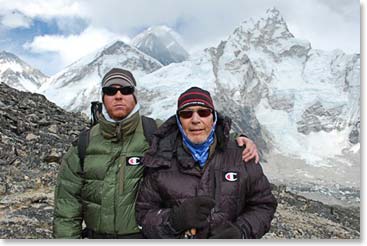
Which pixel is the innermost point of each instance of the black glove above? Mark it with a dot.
(192, 213)
(226, 231)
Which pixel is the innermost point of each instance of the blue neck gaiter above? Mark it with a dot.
(200, 152)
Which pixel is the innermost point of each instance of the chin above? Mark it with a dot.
(197, 140)
(118, 116)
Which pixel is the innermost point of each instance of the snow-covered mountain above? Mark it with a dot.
(80, 83)
(302, 96)
(300, 105)
(292, 90)
(18, 74)
(162, 43)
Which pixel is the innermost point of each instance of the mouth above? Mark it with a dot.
(119, 106)
(196, 131)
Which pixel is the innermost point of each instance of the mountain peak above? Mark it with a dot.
(114, 47)
(274, 13)
(269, 35)
(18, 74)
(161, 30)
(6, 55)
(84, 76)
(162, 43)
(270, 26)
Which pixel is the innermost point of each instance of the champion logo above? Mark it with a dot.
(133, 160)
(230, 176)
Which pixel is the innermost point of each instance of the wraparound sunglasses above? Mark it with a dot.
(111, 91)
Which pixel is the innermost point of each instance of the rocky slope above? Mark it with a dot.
(35, 133)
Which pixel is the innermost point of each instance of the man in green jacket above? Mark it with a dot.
(103, 194)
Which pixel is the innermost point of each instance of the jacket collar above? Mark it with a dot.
(116, 131)
(167, 144)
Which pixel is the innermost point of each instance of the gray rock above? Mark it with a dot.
(354, 134)
(281, 101)
(317, 118)
(31, 136)
(53, 128)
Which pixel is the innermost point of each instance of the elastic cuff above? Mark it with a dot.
(245, 232)
(171, 228)
(170, 225)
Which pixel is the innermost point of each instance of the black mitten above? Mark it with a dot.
(192, 213)
(226, 231)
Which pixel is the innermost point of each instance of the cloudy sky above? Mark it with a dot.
(52, 34)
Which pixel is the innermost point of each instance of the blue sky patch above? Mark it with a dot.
(12, 40)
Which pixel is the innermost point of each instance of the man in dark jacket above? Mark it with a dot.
(196, 184)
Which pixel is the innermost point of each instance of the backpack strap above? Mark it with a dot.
(83, 142)
(149, 127)
(95, 110)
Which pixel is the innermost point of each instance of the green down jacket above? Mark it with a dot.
(106, 200)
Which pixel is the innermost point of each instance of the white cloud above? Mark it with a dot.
(327, 24)
(72, 47)
(42, 8)
(206, 22)
(15, 19)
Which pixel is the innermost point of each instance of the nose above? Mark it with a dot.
(195, 117)
(118, 95)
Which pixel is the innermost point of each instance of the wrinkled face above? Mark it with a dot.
(118, 106)
(196, 127)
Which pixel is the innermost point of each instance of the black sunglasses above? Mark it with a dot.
(110, 91)
(186, 114)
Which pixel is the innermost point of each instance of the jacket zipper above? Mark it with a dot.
(117, 156)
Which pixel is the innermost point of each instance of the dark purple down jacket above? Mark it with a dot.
(241, 191)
